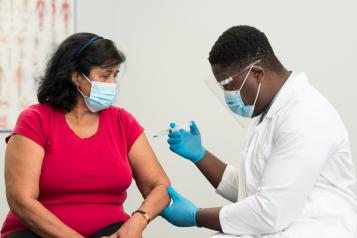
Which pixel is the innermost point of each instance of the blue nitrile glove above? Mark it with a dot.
(187, 143)
(181, 212)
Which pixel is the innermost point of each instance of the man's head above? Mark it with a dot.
(244, 52)
(242, 45)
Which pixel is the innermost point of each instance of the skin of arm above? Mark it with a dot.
(209, 218)
(212, 168)
(151, 181)
(23, 162)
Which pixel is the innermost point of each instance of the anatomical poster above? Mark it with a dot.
(30, 30)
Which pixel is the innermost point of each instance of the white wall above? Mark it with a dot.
(167, 45)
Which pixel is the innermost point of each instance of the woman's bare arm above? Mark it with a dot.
(151, 181)
(23, 162)
(149, 176)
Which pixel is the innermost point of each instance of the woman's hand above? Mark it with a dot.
(132, 228)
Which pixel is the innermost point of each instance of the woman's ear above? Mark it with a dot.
(258, 73)
(76, 77)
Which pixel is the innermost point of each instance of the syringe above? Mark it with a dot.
(170, 130)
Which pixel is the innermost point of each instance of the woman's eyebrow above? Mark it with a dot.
(111, 70)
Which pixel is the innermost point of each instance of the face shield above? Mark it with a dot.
(223, 83)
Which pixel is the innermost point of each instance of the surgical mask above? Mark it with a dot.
(102, 95)
(235, 102)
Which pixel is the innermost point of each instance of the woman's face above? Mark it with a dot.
(98, 74)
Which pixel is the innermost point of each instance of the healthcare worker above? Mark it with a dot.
(295, 177)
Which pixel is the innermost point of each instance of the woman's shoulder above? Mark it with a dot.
(40, 107)
(42, 110)
(118, 111)
(124, 117)
(114, 109)
(127, 123)
(34, 122)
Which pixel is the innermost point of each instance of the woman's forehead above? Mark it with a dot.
(100, 69)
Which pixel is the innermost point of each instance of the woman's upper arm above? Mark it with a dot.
(23, 162)
(147, 170)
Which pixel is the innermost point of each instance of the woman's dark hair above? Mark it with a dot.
(243, 45)
(79, 53)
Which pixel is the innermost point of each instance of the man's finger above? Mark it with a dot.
(173, 194)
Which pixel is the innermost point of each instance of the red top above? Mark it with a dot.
(83, 181)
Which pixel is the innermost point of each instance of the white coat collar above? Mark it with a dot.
(295, 83)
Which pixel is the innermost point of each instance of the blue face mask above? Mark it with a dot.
(102, 95)
(235, 102)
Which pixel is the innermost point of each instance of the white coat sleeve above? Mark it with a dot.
(228, 187)
(300, 149)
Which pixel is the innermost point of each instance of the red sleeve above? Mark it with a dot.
(31, 123)
(132, 128)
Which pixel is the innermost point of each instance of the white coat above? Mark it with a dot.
(296, 177)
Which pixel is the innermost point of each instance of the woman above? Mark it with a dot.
(71, 158)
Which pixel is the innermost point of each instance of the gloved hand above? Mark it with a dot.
(181, 212)
(187, 143)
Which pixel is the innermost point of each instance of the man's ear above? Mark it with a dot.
(258, 73)
(76, 77)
